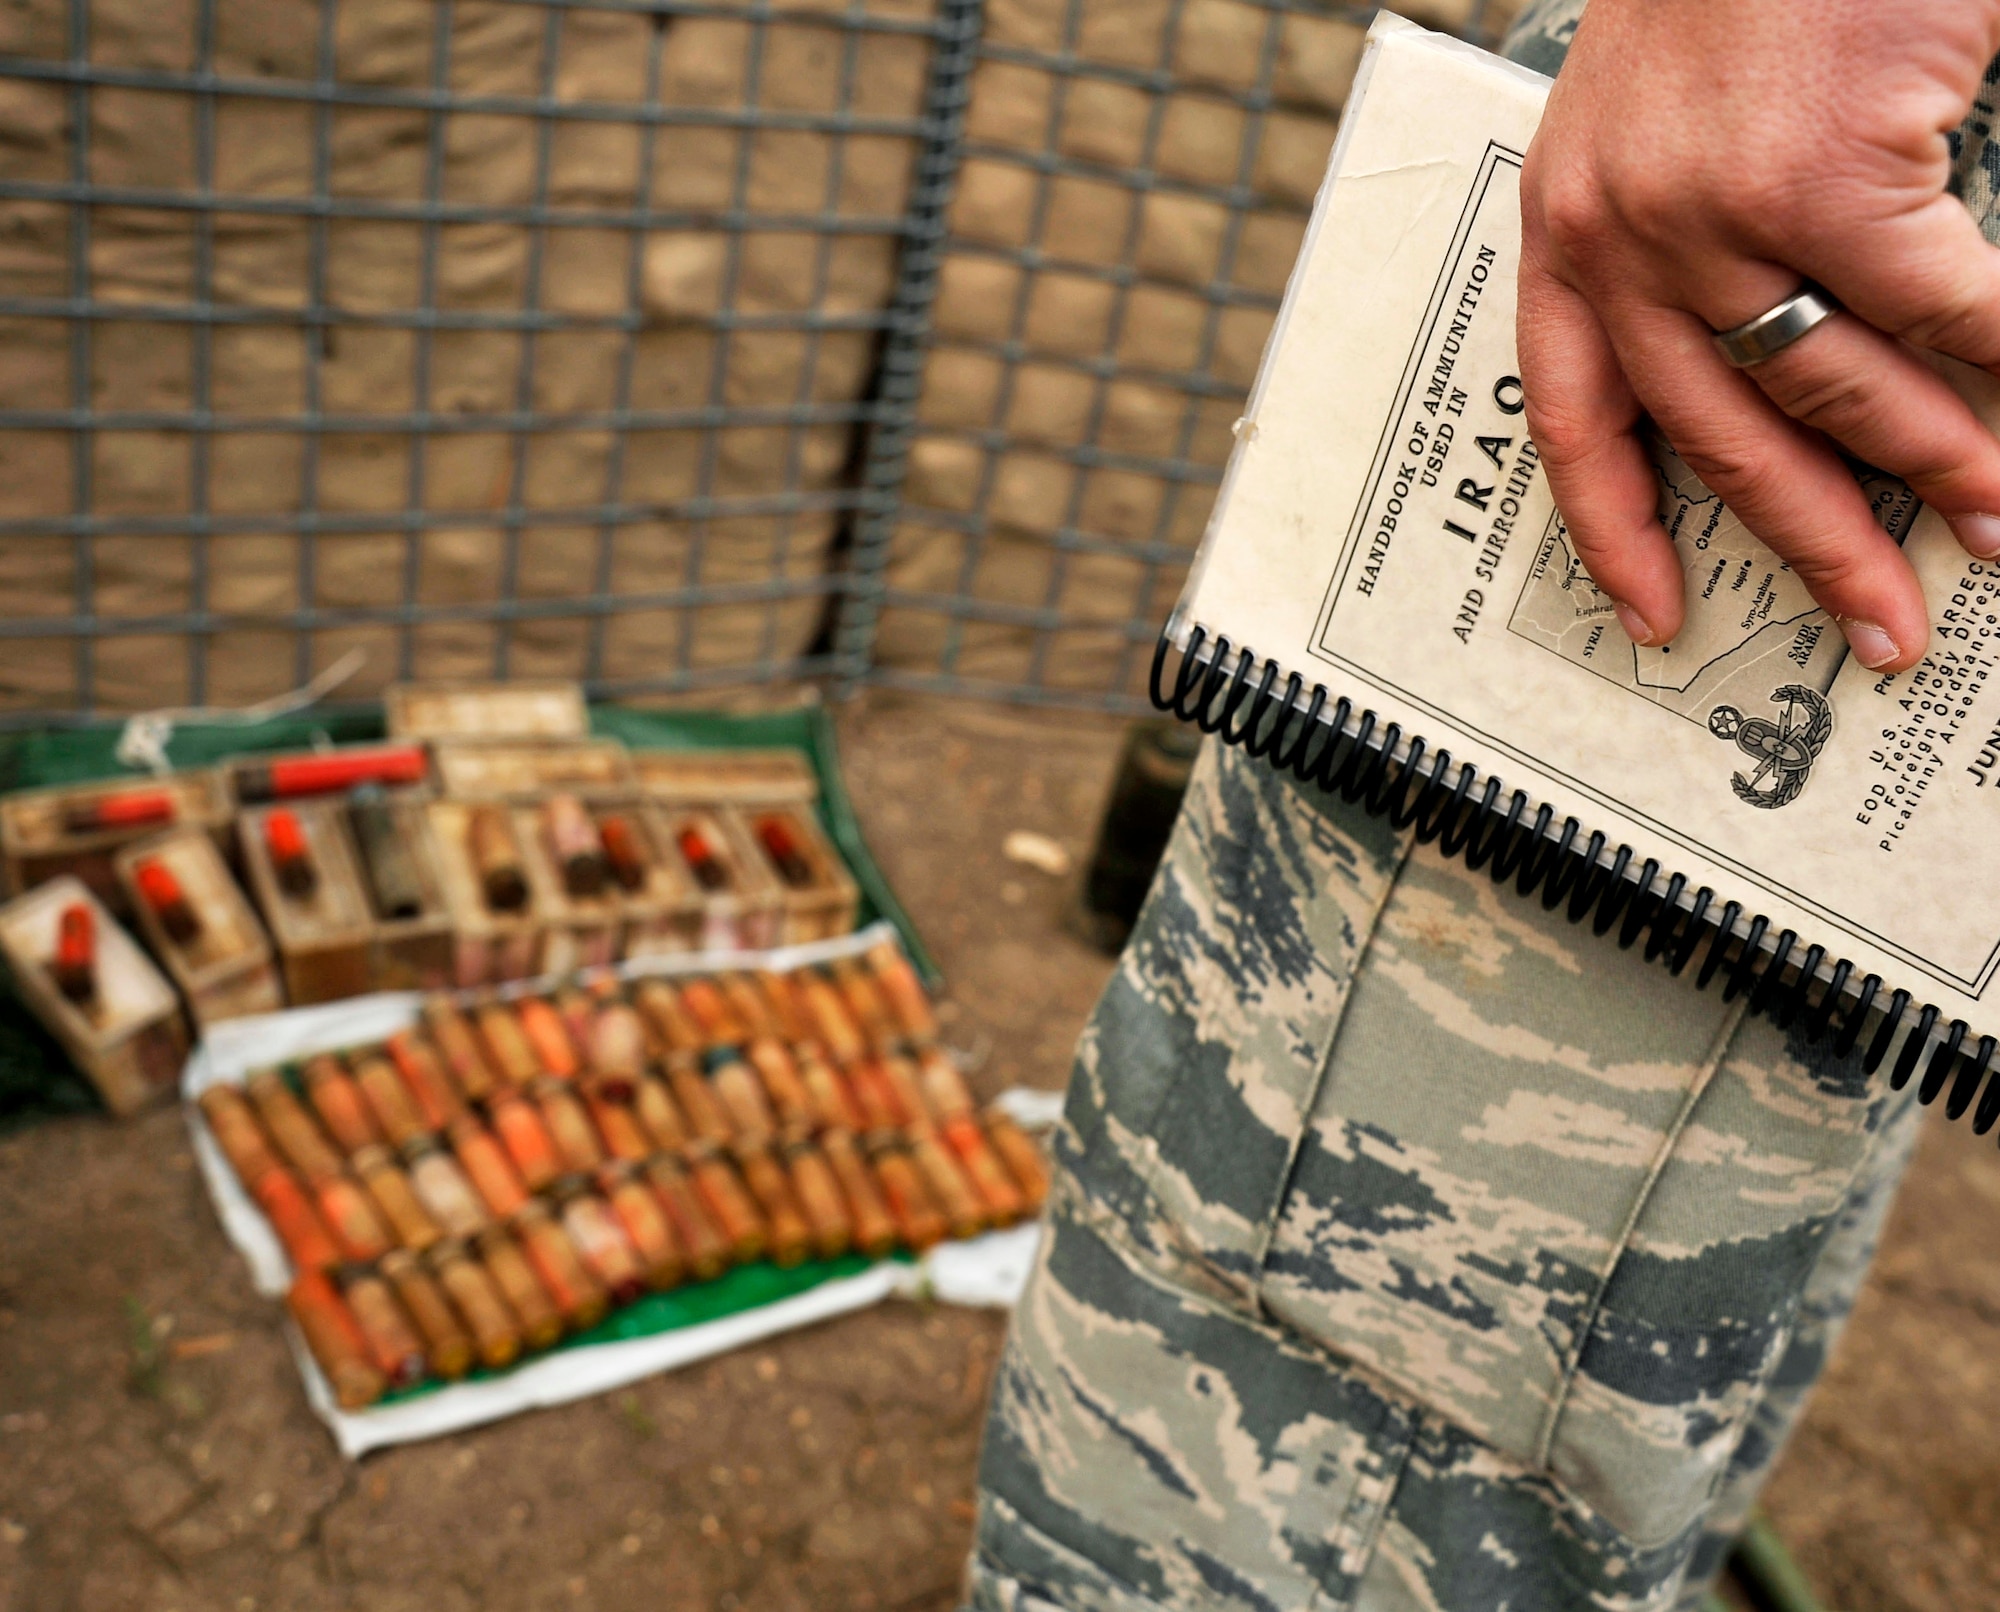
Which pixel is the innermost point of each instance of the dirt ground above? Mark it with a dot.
(156, 1451)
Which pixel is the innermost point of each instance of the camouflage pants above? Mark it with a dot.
(1412, 1249)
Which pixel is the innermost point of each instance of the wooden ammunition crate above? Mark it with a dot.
(323, 937)
(665, 914)
(35, 846)
(495, 710)
(525, 769)
(749, 913)
(577, 931)
(727, 777)
(413, 954)
(824, 906)
(130, 1039)
(227, 971)
(487, 946)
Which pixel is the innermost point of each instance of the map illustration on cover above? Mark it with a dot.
(1753, 633)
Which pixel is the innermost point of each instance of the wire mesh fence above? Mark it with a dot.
(659, 344)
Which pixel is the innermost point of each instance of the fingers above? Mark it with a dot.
(1784, 482)
(1582, 414)
(1882, 403)
(1925, 274)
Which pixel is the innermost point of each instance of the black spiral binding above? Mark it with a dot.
(1353, 754)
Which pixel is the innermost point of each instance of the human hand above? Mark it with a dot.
(1697, 162)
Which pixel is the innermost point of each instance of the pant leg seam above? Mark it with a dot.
(1670, 1141)
(1356, 1560)
(1310, 1099)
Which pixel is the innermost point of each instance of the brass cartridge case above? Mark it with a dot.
(835, 1026)
(790, 1236)
(905, 1087)
(527, 1299)
(548, 1037)
(307, 1241)
(918, 1222)
(710, 1009)
(742, 1097)
(443, 1190)
(617, 1042)
(833, 1101)
(459, 1046)
(784, 1086)
(729, 1204)
(286, 1122)
(447, 1345)
(707, 1252)
(645, 1225)
(351, 1216)
(998, 1194)
(793, 1024)
(898, 983)
(423, 1076)
(575, 1137)
(507, 1044)
(496, 1334)
(869, 1082)
(1022, 1158)
(698, 1102)
(618, 1127)
(486, 1166)
(389, 1100)
(874, 1226)
(944, 1090)
(945, 1181)
(865, 1004)
(339, 1104)
(670, 1021)
(577, 1293)
(395, 1199)
(518, 1124)
(819, 1197)
(577, 1009)
(333, 1338)
(659, 1115)
(751, 1007)
(393, 1344)
(237, 1133)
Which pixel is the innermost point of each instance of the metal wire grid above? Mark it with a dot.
(859, 588)
(1023, 641)
(321, 320)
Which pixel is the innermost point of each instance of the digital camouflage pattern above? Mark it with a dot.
(1411, 1249)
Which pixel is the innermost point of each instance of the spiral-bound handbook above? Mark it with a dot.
(1387, 603)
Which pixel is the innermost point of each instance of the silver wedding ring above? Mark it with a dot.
(1772, 332)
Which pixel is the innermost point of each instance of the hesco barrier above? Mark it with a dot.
(661, 345)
